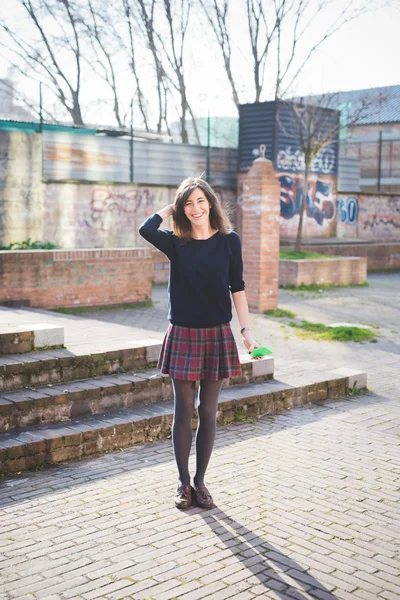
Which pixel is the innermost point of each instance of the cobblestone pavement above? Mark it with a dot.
(307, 501)
(377, 305)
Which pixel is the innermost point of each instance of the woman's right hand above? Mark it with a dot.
(166, 212)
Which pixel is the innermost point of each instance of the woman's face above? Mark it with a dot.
(197, 208)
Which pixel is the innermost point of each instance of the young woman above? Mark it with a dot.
(206, 267)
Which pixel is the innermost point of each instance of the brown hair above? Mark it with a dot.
(181, 225)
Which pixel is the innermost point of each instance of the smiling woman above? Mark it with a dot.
(197, 212)
(206, 269)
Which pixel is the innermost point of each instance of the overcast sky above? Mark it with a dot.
(363, 54)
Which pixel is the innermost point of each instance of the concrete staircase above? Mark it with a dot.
(57, 406)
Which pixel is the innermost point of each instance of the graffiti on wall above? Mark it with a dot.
(115, 212)
(127, 202)
(348, 210)
(100, 216)
(382, 215)
(319, 204)
(369, 217)
(293, 160)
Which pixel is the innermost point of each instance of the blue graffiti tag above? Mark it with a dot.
(318, 205)
(348, 210)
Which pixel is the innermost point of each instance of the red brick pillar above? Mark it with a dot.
(258, 213)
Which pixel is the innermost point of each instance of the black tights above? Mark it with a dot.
(184, 393)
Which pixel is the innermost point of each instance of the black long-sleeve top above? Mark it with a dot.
(202, 274)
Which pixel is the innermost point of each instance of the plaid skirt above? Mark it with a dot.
(199, 353)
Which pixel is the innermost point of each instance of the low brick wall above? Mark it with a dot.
(71, 278)
(337, 271)
(380, 256)
(323, 270)
(161, 267)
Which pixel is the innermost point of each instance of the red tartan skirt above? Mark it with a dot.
(199, 353)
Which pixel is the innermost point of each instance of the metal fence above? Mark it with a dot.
(379, 157)
(68, 156)
(349, 175)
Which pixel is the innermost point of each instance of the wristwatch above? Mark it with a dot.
(244, 329)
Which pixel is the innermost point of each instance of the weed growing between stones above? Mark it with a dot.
(238, 415)
(356, 391)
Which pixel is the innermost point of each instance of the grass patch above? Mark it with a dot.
(342, 333)
(291, 254)
(280, 313)
(90, 309)
(29, 245)
(316, 287)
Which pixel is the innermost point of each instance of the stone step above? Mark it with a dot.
(62, 402)
(91, 435)
(26, 338)
(36, 369)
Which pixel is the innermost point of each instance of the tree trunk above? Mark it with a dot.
(257, 84)
(75, 111)
(184, 133)
(184, 107)
(303, 203)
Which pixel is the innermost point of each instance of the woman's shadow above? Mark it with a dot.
(275, 570)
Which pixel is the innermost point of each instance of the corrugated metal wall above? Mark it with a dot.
(256, 126)
(272, 124)
(67, 157)
(288, 155)
(349, 175)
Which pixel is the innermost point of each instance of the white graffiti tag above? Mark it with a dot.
(289, 160)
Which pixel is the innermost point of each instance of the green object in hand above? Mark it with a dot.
(262, 351)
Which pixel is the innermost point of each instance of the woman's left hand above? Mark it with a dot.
(249, 341)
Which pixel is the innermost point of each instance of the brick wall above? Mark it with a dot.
(60, 278)
(379, 256)
(161, 267)
(329, 271)
(258, 226)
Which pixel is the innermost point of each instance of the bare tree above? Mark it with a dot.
(261, 32)
(145, 15)
(314, 124)
(132, 32)
(297, 19)
(280, 35)
(58, 32)
(97, 21)
(217, 14)
(177, 15)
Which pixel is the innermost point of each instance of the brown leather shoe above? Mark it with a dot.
(203, 497)
(183, 496)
